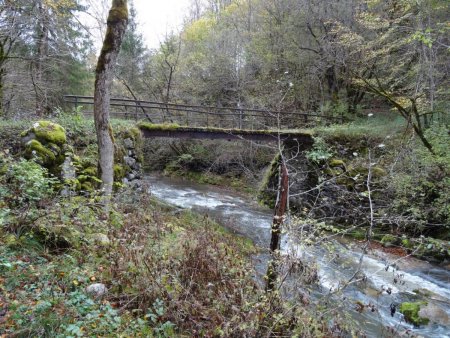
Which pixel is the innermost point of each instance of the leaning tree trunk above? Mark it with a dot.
(116, 25)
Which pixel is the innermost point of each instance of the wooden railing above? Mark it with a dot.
(201, 116)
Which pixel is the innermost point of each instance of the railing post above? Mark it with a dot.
(76, 103)
(240, 118)
(135, 110)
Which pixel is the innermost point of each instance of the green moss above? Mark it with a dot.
(49, 132)
(57, 236)
(119, 11)
(406, 243)
(87, 186)
(358, 234)
(73, 183)
(117, 186)
(3, 169)
(153, 126)
(119, 172)
(135, 133)
(361, 171)
(332, 172)
(378, 172)
(336, 163)
(83, 178)
(89, 171)
(35, 149)
(345, 181)
(265, 195)
(411, 313)
(433, 249)
(388, 240)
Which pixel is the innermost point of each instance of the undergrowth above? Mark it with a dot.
(168, 273)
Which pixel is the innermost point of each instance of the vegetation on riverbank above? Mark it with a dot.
(408, 185)
(70, 268)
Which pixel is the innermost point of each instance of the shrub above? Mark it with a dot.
(422, 186)
(24, 186)
(320, 151)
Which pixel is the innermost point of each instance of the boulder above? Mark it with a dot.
(97, 289)
(129, 161)
(389, 240)
(100, 239)
(435, 314)
(411, 313)
(44, 142)
(46, 132)
(128, 143)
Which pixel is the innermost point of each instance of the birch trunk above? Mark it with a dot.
(116, 26)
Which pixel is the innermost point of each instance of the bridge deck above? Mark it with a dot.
(302, 136)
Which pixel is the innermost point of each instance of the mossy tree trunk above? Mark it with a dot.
(278, 219)
(116, 26)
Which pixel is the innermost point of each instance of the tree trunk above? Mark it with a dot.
(41, 57)
(116, 26)
(278, 219)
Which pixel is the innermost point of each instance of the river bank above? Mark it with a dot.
(383, 278)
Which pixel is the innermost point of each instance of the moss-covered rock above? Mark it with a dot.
(378, 172)
(336, 163)
(45, 142)
(57, 236)
(99, 239)
(411, 313)
(47, 132)
(359, 171)
(407, 243)
(389, 240)
(435, 314)
(35, 149)
(432, 249)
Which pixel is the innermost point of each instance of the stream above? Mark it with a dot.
(388, 280)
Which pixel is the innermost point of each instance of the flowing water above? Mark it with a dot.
(388, 280)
